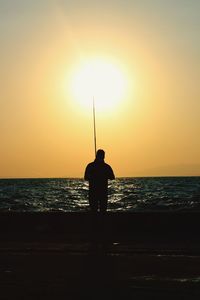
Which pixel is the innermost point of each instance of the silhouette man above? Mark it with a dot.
(98, 173)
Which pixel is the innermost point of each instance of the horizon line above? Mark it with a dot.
(118, 177)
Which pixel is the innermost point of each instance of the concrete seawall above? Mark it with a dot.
(154, 255)
(112, 224)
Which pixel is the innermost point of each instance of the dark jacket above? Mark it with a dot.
(98, 173)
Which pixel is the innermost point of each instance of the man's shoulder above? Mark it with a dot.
(94, 164)
(107, 165)
(90, 164)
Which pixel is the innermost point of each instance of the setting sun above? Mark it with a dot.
(138, 60)
(100, 79)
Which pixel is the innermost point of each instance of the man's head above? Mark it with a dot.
(100, 155)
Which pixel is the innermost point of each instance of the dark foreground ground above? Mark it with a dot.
(81, 256)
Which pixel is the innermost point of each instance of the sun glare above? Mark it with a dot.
(99, 79)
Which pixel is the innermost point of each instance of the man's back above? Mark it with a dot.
(97, 173)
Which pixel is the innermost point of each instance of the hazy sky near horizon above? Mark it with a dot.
(153, 130)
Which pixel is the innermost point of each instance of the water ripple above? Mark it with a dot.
(125, 194)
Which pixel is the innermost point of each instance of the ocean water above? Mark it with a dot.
(125, 194)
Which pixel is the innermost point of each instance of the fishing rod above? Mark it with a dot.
(94, 125)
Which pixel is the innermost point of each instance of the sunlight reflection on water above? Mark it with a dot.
(125, 194)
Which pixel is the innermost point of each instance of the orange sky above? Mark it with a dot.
(154, 129)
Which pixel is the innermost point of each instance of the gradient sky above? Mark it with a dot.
(153, 131)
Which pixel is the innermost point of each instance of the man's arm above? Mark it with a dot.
(87, 173)
(111, 175)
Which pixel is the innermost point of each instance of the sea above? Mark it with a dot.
(125, 194)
